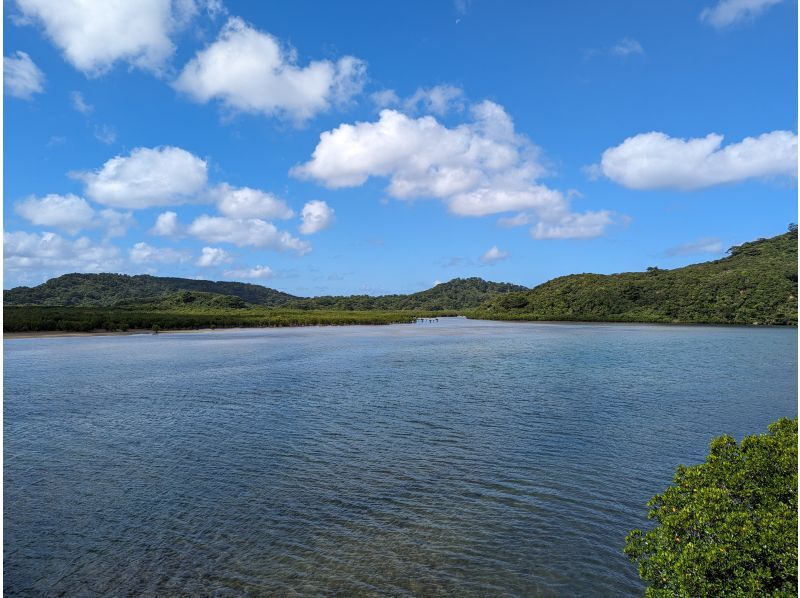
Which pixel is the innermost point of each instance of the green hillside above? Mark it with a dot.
(755, 284)
(120, 290)
(459, 293)
(106, 290)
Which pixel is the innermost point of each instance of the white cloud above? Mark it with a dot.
(52, 254)
(705, 245)
(147, 178)
(658, 161)
(317, 215)
(21, 77)
(80, 104)
(478, 168)
(249, 71)
(437, 100)
(493, 256)
(166, 225)
(142, 253)
(255, 272)
(115, 223)
(730, 12)
(627, 46)
(574, 226)
(105, 134)
(72, 214)
(244, 202)
(213, 256)
(67, 212)
(385, 98)
(93, 36)
(521, 219)
(252, 232)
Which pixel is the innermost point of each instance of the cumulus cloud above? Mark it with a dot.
(477, 168)
(72, 214)
(93, 36)
(493, 256)
(317, 215)
(166, 225)
(627, 46)
(249, 71)
(244, 202)
(146, 178)
(705, 245)
(252, 232)
(730, 12)
(385, 98)
(213, 256)
(255, 272)
(657, 161)
(142, 253)
(21, 77)
(51, 254)
(67, 212)
(574, 226)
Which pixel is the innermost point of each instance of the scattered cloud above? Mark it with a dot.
(94, 36)
(147, 178)
(166, 225)
(72, 214)
(244, 202)
(252, 273)
(385, 98)
(105, 134)
(478, 168)
(252, 232)
(521, 219)
(316, 215)
(249, 71)
(53, 255)
(705, 245)
(142, 253)
(627, 46)
(80, 104)
(574, 226)
(213, 256)
(67, 212)
(658, 161)
(461, 6)
(438, 100)
(21, 77)
(726, 13)
(493, 256)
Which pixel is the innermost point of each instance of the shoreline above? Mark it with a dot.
(65, 334)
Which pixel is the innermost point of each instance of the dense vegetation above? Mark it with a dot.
(458, 294)
(164, 317)
(727, 527)
(755, 284)
(112, 290)
(105, 290)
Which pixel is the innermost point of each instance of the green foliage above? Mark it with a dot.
(756, 284)
(727, 527)
(90, 319)
(106, 290)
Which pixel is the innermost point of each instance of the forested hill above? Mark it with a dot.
(106, 290)
(119, 290)
(755, 284)
(459, 293)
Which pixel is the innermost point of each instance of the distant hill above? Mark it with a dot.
(106, 290)
(120, 290)
(755, 284)
(459, 293)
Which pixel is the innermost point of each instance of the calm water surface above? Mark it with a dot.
(459, 458)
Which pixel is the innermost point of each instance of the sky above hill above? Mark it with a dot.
(380, 147)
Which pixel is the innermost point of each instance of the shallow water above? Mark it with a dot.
(454, 458)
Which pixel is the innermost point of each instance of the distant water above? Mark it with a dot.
(454, 458)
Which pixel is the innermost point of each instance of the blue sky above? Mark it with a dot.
(353, 147)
